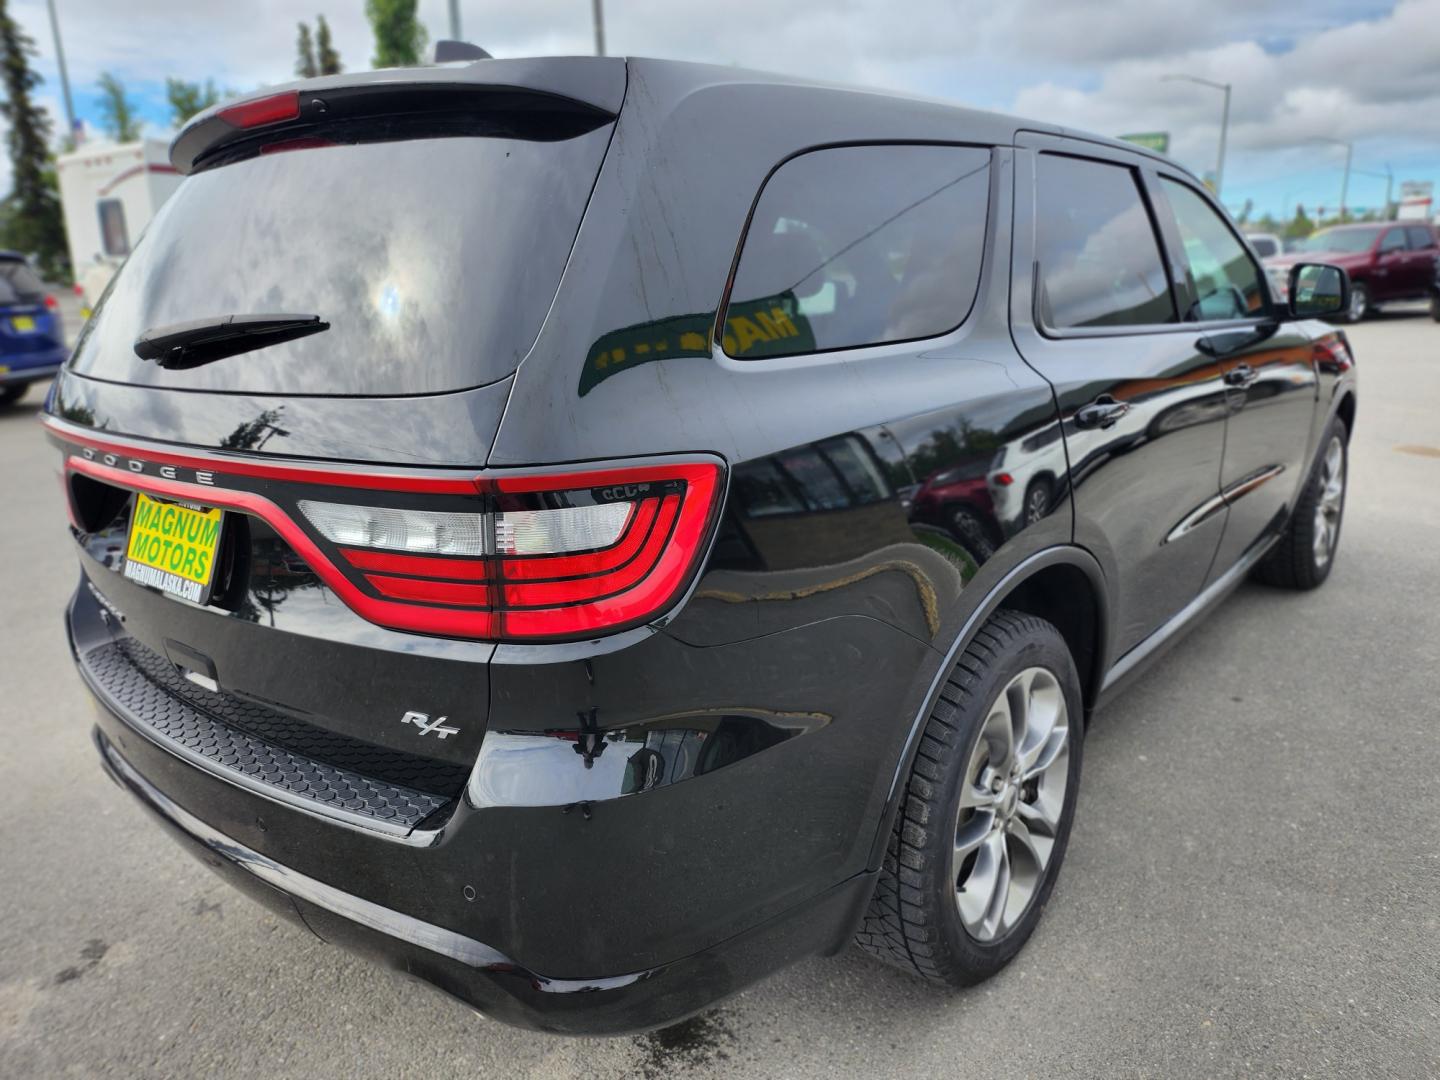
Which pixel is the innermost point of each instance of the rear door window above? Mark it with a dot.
(1225, 279)
(1393, 240)
(434, 260)
(1422, 237)
(860, 245)
(19, 283)
(1100, 263)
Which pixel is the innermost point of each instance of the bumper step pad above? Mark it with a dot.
(146, 691)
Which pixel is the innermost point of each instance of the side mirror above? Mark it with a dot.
(1318, 290)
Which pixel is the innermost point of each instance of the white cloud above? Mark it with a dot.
(1349, 69)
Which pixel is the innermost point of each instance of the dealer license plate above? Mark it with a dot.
(173, 547)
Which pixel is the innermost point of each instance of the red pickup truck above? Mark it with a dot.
(1386, 261)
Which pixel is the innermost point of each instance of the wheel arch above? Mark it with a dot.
(1346, 412)
(1063, 585)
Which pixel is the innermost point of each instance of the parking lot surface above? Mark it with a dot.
(1253, 885)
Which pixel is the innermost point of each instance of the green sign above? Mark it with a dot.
(1159, 141)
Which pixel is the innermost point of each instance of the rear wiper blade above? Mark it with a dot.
(189, 344)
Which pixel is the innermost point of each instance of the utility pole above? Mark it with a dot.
(64, 78)
(455, 21)
(1224, 121)
(599, 17)
(1344, 180)
(1389, 177)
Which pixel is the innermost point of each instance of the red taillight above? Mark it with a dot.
(544, 574)
(1004, 479)
(51, 302)
(267, 110)
(1332, 352)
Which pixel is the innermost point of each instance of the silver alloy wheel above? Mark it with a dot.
(1359, 303)
(1331, 502)
(1036, 505)
(1010, 805)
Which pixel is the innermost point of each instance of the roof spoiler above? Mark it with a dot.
(586, 84)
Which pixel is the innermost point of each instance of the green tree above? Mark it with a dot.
(399, 37)
(188, 98)
(117, 110)
(1300, 227)
(305, 65)
(325, 52)
(30, 215)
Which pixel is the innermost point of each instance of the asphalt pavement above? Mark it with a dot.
(1252, 888)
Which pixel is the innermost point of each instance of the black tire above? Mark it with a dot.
(1294, 562)
(1360, 306)
(914, 920)
(12, 393)
(1435, 305)
(969, 529)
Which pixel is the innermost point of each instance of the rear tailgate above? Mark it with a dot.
(430, 233)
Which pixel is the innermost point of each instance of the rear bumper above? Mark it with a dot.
(546, 917)
(482, 976)
(30, 367)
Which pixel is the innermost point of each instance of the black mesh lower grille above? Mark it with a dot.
(268, 747)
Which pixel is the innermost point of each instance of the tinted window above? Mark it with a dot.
(19, 282)
(1099, 260)
(434, 260)
(1393, 240)
(1264, 246)
(860, 245)
(1226, 280)
(1421, 236)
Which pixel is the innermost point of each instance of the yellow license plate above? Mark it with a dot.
(173, 547)
(22, 324)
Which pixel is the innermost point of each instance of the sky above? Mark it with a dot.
(1302, 71)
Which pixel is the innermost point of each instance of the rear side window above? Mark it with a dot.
(19, 282)
(1421, 236)
(434, 260)
(1225, 277)
(860, 245)
(1099, 259)
(1264, 246)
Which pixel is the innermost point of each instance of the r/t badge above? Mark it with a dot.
(426, 725)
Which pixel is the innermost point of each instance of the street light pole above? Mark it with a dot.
(455, 21)
(60, 60)
(1224, 120)
(1344, 180)
(1389, 177)
(599, 17)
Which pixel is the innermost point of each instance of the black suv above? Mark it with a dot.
(591, 532)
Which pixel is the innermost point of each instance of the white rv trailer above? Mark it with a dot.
(109, 192)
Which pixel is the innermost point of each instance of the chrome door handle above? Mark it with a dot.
(1241, 376)
(1103, 412)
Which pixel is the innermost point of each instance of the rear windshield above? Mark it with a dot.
(19, 284)
(434, 261)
